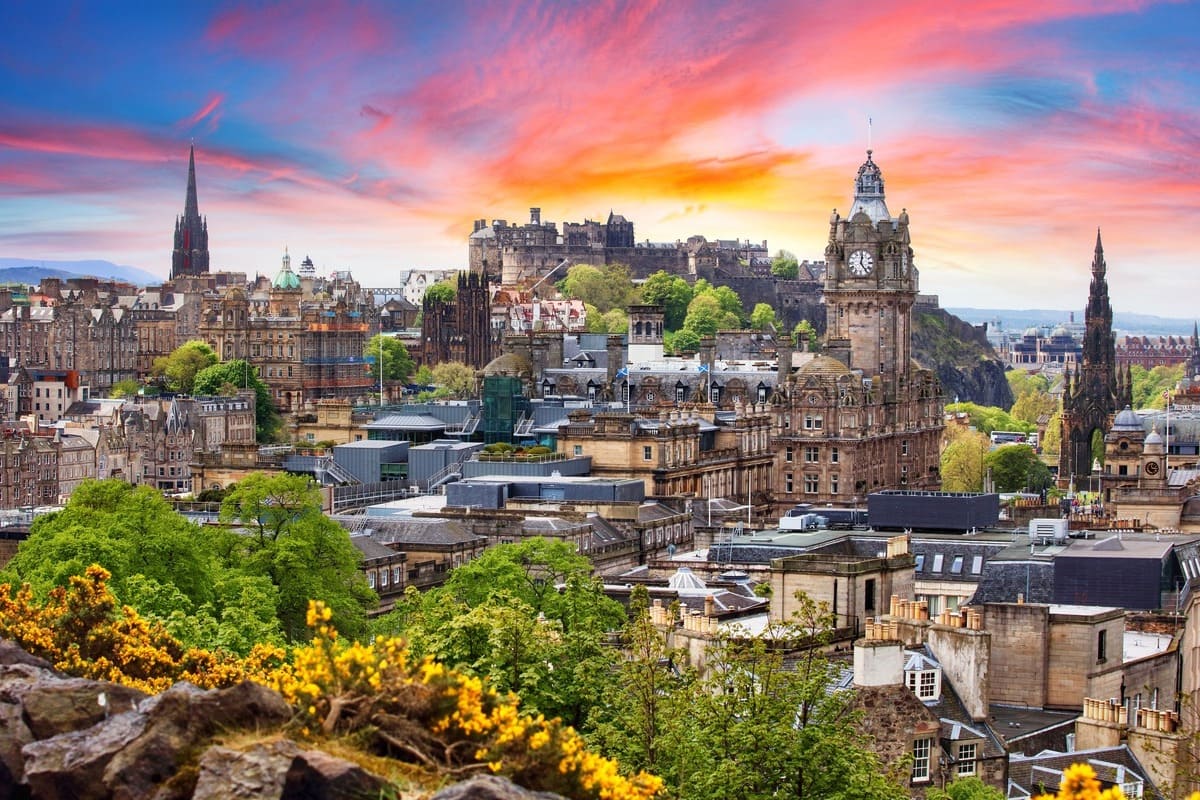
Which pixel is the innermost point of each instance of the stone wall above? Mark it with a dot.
(965, 656)
(1020, 652)
(1074, 654)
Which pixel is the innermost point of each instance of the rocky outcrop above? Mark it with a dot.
(65, 738)
(960, 354)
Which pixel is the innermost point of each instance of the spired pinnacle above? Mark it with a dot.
(191, 207)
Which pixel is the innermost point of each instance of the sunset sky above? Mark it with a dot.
(369, 135)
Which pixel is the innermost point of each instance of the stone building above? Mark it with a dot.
(307, 343)
(1149, 352)
(864, 416)
(460, 330)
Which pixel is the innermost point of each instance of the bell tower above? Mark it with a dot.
(870, 285)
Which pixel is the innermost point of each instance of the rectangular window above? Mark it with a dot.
(966, 758)
(904, 447)
(383, 577)
(578, 450)
(1102, 647)
(956, 566)
(371, 578)
(647, 453)
(833, 484)
(787, 454)
(833, 456)
(811, 454)
(976, 565)
(811, 483)
(920, 767)
(788, 486)
(927, 690)
(869, 595)
(937, 562)
(395, 575)
(920, 563)
(813, 423)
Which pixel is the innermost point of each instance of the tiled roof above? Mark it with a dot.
(1115, 765)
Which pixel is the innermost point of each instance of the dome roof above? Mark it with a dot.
(286, 279)
(868, 192)
(1127, 420)
(1059, 332)
(509, 364)
(1032, 331)
(823, 367)
(1154, 439)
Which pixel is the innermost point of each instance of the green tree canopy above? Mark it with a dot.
(606, 287)
(971, 788)
(763, 318)
(705, 316)
(127, 387)
(303, 553)
(454, 379)
(962, 465)
(804, 331)
(1016, 468)
(784, 265)
(682, 341)
(442, 292)
(672, 293)
(986, 419)
(229, 376)
(616, 321)
(529, 616)
(179, 369)
(1149, 385)
(397, 363)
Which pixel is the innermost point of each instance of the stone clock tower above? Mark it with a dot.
(870, 285)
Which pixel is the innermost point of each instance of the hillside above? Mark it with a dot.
(960, 354)
(31, 271)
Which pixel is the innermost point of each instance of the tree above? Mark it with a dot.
(397, 364)
(962, 464)
(1149, 385)
(605, 287)
(784, 265)
(672, 293)
(616, 321)
(803, 331)
(1015, 468)
(683, 341)
(454, 378)
(971, 788)
(1021, 381)
(730, 303)
(753, 727)
(180, 368)
(1052, 443)
(303, 553)
(1033, 405)
(442, 292)
(125, 388)
(529, 616)
(705, 316)
(989, 418)
(763, 318)
(229, 376)
(424, 376)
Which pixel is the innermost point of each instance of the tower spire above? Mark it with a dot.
(191, 207)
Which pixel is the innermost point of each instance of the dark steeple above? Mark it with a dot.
(191, 207)
(190, 256)
(1099, 388)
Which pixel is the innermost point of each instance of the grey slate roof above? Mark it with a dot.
(1027, 774)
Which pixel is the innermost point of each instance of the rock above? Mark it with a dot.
(11, 653)
(72, 766)
(315, 775)
(491, 787)
(179, 719)
(14, 734)
(58, 705)
(258, 772)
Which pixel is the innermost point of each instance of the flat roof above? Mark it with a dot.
(539, 479)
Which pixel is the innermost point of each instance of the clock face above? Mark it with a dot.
(1152, 468)
(860, 263)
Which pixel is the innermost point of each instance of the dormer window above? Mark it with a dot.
(926, 684)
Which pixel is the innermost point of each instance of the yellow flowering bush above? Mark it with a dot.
(1079, 782)
(441, 718)
(447, 722)
(81, 631)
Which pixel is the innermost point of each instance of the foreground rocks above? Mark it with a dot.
(67, 738)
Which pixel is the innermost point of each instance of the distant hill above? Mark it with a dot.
(32, 270)
(1124, 322)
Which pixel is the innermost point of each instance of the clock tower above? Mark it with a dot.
(870, 285)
